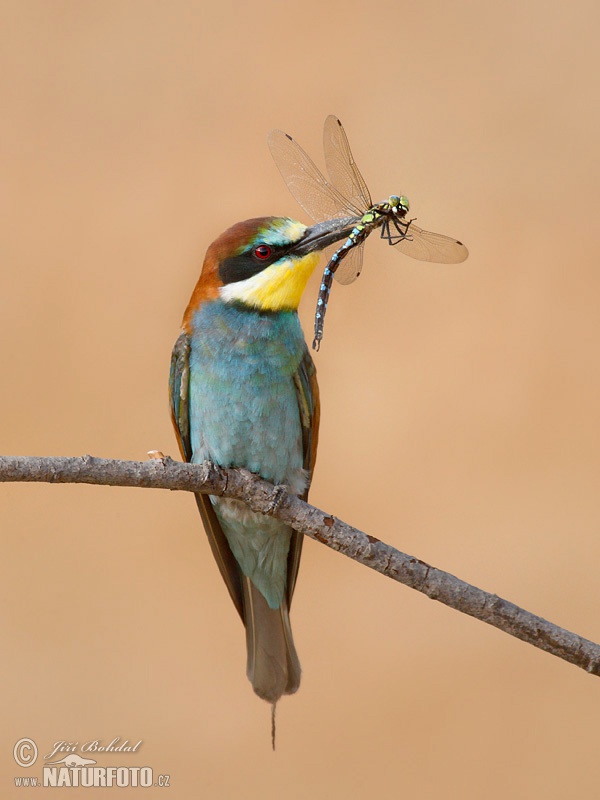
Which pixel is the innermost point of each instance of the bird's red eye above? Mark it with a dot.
(262, 251)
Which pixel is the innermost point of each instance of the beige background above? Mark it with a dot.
(460, 404)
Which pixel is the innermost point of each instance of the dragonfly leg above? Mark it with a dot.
(402, 227)
(385, 230)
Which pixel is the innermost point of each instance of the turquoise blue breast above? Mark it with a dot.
(244, 410)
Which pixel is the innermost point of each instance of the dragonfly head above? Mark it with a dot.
(399, 204)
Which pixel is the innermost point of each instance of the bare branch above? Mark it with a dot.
(207, 478)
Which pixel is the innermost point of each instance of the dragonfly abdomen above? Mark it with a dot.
(355, 238)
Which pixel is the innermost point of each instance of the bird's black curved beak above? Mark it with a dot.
(320, 236)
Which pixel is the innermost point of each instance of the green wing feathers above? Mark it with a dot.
(307, 392)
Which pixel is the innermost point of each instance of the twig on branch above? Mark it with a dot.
(207, 478)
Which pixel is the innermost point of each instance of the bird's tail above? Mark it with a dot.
(273, 666)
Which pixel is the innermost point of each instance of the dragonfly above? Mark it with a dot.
(345, 196)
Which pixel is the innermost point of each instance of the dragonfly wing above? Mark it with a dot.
(428, 246)
(350, 266)
(306, 182)
(342, 169)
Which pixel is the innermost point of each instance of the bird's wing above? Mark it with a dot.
(179, 382)
(307, 393)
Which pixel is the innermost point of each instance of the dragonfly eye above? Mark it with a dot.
(262, 252)
(399, 203)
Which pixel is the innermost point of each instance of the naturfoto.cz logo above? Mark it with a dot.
(70, 769)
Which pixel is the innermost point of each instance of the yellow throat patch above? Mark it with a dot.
(278, 287)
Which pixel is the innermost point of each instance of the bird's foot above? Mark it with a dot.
(280, 492)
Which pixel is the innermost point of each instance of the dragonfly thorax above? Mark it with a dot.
(399, 203)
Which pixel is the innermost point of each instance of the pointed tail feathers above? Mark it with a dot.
(273, 666)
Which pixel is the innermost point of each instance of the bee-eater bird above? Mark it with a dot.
(243, 393)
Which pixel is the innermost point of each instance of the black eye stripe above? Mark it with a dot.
(247, 264)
